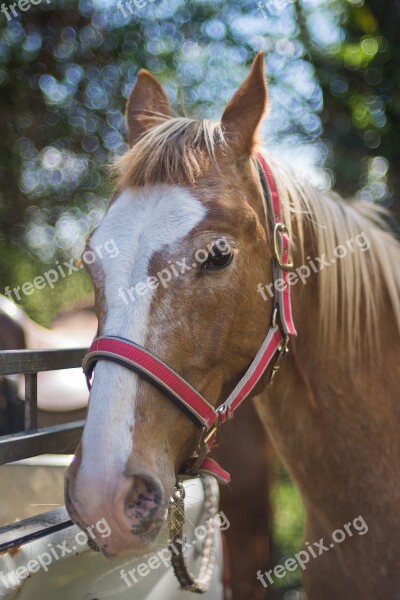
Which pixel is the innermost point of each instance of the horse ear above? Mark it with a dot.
(146, 102)
(244, 113)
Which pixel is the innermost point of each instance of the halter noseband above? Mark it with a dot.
(274, 347)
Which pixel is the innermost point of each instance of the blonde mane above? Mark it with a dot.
(179, 150)
(175, 150)
(354, 290)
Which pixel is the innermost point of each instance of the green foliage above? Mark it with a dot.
(44, 304)
(287, 526)
(359, 76)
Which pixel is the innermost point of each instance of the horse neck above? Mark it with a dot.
(332, 418)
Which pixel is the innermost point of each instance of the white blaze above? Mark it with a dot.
(142, 222)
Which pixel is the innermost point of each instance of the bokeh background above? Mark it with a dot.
(67, 66)
(66, 69)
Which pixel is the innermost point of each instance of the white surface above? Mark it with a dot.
(86, 575)
(45, 460)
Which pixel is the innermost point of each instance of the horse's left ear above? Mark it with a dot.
(244, 113)
(147, 102)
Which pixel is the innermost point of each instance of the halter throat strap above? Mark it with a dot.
(275, 345)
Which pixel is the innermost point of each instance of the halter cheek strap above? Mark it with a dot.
(283, 257)
(150, 367)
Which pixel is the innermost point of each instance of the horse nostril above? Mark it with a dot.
(142, 503)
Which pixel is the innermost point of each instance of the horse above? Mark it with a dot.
(77, 325)
(331, 410)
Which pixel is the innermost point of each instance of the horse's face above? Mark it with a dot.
(184, 286)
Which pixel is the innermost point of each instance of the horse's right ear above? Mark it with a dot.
(243, 115)
(146, 102)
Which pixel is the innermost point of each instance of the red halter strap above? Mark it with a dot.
(155, 371)
(275, 345)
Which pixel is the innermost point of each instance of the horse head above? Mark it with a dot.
(189, 222)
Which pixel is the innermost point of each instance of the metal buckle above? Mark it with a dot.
(211, 433)
(283, 349)
(281, 228)
(214, 428)
(275, 314)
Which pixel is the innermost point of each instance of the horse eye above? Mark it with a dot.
(218, 258)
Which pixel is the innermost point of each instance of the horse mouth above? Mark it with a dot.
(146, 533)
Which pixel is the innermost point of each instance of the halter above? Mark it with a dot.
(274, 347)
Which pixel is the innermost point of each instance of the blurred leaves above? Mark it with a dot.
(360, 80)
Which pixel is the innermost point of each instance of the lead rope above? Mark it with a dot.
(187, 580)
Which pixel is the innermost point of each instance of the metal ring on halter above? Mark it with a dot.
(187, 580)
(280, 228)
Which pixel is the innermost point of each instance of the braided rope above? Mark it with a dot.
(187, 580)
